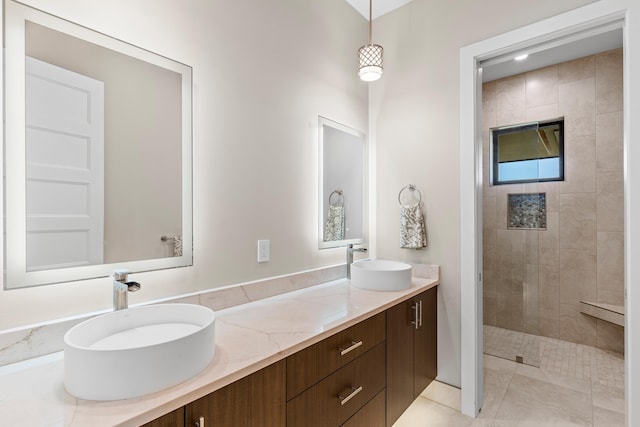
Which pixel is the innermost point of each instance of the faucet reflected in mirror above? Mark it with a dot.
(121, 288)
(350, 251)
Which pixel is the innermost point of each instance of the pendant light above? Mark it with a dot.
(370, 55)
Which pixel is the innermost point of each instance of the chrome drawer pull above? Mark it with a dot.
(353, 346)
(420, 318)
(200, 422)
(351, 395)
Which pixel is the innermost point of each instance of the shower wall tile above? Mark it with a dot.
(578, 221)
(551, 189)
(578, 69)
(548, 240)
(511, 247)
(489, 307)
(532, 253)
(610, 201)
(543, 112)
(610, 260)
(542, 87)
(609, 82)
(511, 103)
(609, 336)
(549, 299)
(489, 272)
(579, 165)
(611, 296)
(515, 319)
(609, 142)
(577, 276)
(575, 326)
(577, 103)
(531, 301)
(489, 220)
(489, 106)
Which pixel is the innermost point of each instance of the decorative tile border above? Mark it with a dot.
(527, 211)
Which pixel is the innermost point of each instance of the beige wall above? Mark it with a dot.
(262, 73)
(414, 116)
(580, 256)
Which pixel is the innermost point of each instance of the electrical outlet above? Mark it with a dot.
(264, 251)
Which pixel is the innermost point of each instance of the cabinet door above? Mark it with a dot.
(256, 400)
(400, 358)
(172, 419)
(371, 414)
(426, 345)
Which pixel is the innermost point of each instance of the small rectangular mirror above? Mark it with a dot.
(532, 152)
(342, 184)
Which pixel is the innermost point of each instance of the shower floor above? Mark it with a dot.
(575, 360)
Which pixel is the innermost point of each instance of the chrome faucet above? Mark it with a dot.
(121, 289)
(350, 251)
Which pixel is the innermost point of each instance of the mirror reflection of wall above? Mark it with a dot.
(104, 141)
(142, 126)
(342, 184)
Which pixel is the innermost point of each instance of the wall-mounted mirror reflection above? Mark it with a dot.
(342, 184)
(98, 153)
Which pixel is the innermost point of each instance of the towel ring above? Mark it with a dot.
(340, 197)
(411, 188)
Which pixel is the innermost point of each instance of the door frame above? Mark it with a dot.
(595, 14)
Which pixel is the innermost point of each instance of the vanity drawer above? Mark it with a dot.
(310, 365)
(335, 399)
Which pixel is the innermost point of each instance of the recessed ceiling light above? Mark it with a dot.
(521, 57)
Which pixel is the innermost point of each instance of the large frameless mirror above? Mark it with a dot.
(97, 153)
(342, 184)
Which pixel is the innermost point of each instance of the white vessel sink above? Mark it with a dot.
(381, 275)
(132, 352)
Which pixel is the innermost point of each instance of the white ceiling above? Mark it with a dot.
(552, 53)
(379, 8)
(555, 52)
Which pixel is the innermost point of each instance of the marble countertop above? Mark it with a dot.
(249, 337)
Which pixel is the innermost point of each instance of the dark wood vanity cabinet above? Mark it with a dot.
(257, 400)
(364, 376)
(411, 351)
(172, 419)
(336, 379)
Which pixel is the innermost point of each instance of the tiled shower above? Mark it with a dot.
(535, 279)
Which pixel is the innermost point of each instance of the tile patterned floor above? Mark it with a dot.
(575, 360)
(574, 386)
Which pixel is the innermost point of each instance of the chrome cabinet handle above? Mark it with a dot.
(200, 422)
(351, 395)
(352, 347)
(420, 318)
(416, 315)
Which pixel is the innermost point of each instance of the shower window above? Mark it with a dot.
(532, 152)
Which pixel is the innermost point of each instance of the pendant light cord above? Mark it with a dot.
(370, 23)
